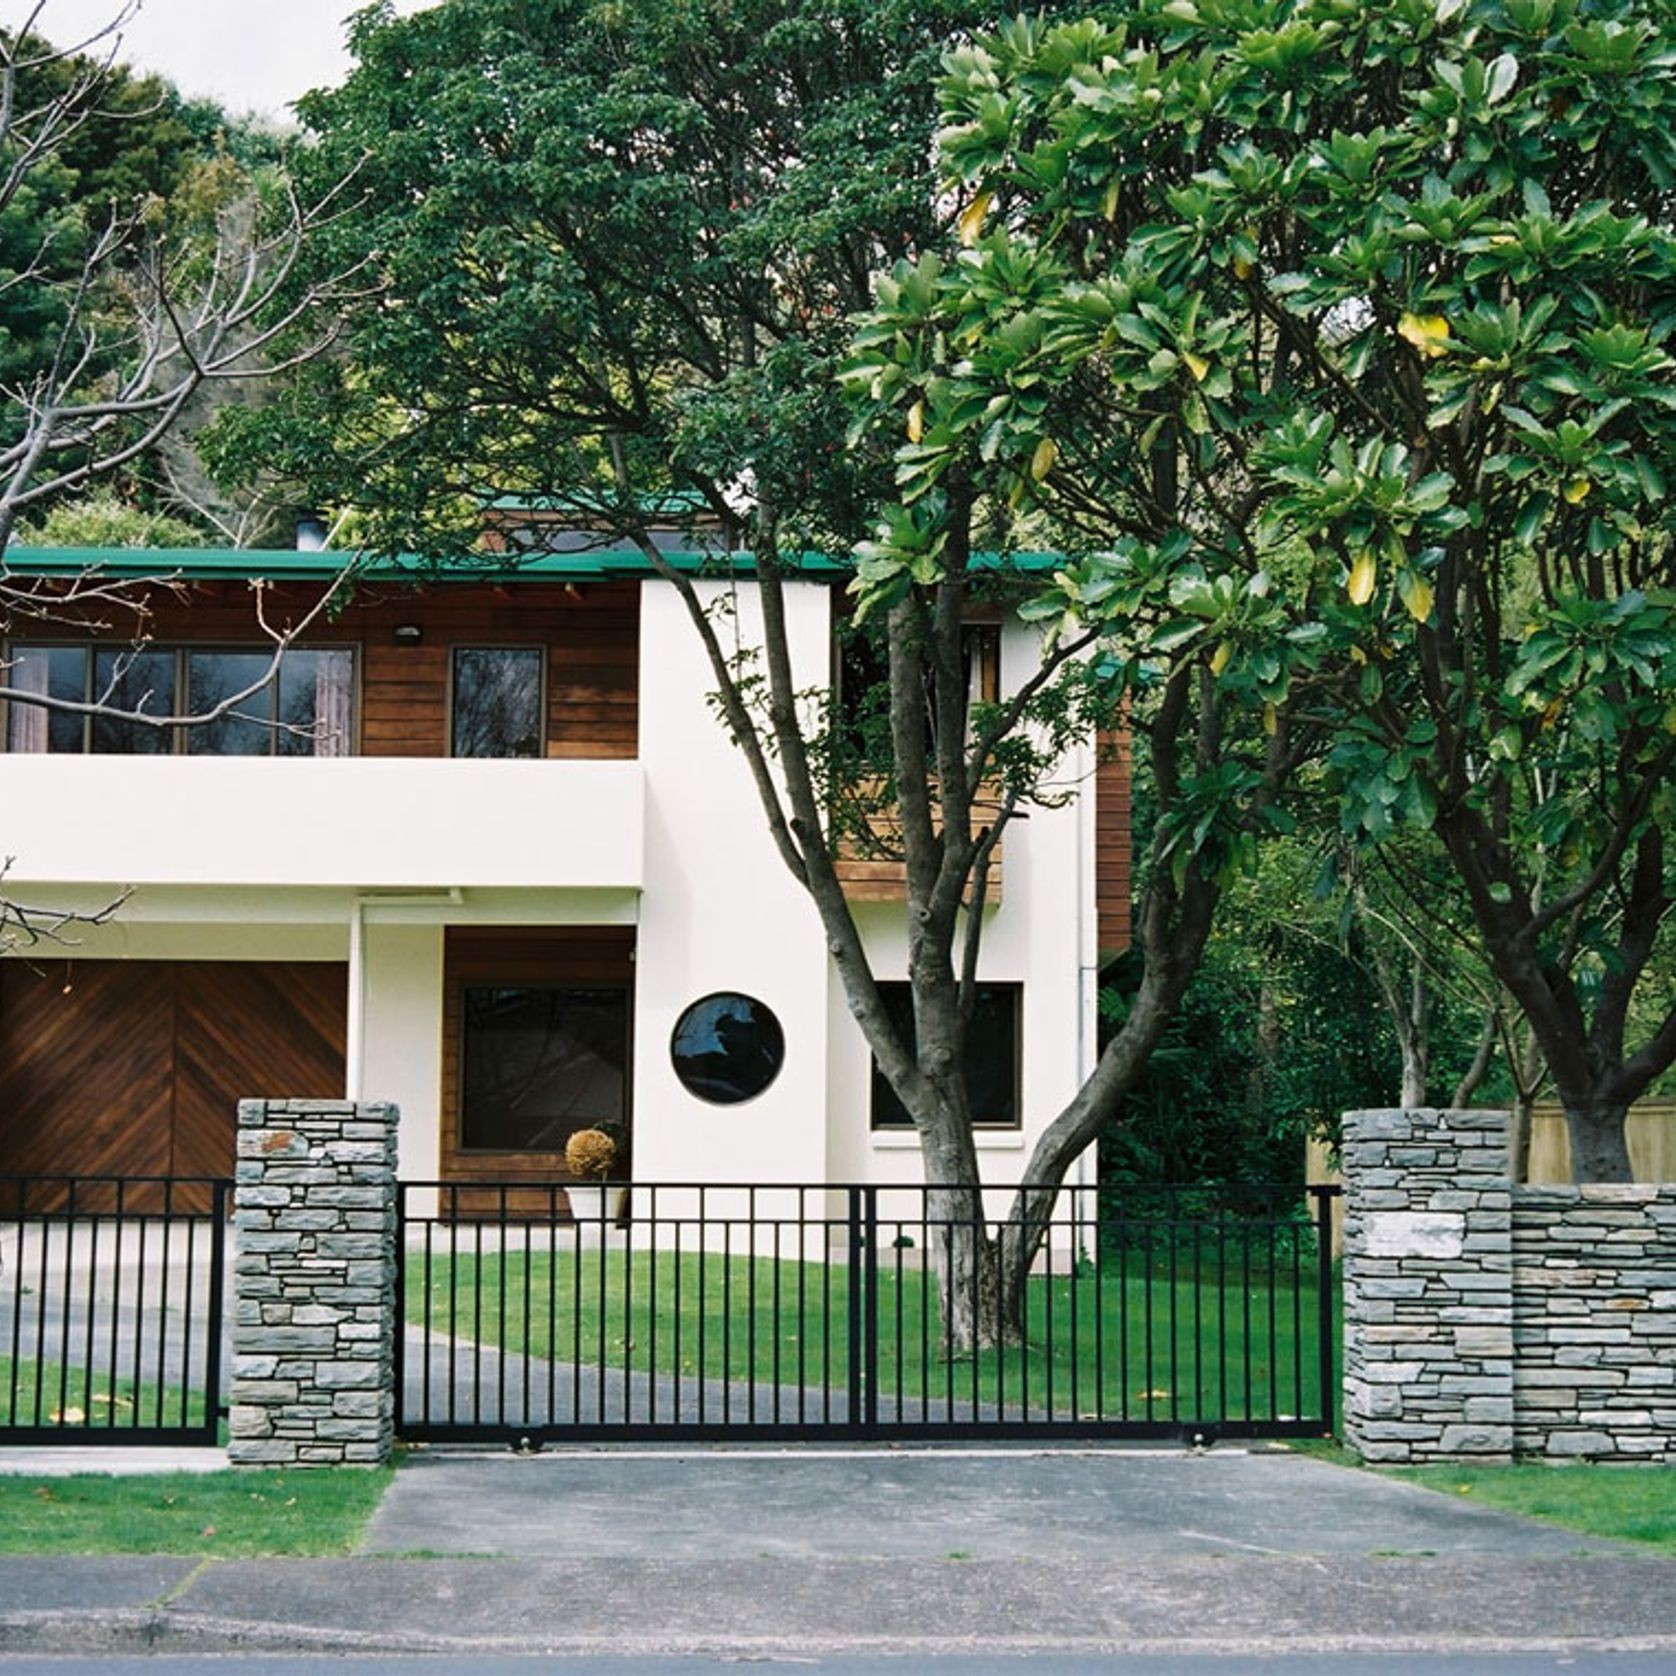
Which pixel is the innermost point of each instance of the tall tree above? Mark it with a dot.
(1409, 271)
(122, 302)
(118, 305)
(621, 248)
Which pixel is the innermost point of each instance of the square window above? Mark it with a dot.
(992, 1058)
(537, 1064)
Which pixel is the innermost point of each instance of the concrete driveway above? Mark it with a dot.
(973, 1504)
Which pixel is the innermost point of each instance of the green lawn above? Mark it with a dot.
(1133, 1339)
(227, 1515)
(1635, 1504)
(49, 1394)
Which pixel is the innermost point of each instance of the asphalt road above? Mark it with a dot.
(958, 1664)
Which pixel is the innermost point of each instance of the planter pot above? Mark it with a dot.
(587, 1203)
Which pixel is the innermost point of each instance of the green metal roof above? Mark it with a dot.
(294, 564)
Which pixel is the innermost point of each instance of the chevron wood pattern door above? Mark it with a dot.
(274, 1028)
(134, 1067)
(86, 1068)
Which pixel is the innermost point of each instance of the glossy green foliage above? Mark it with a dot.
(1334, 339)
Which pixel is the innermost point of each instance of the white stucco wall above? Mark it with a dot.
(386, 822)
(719, 910)
(396, 1053)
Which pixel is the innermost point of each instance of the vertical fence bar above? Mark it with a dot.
(900, 1327)
(751, 1305)
(527, 1356)
(870, 1261)
(399, 1345)
(926, 1263)
(64, 1319)
(774, 1316)
(551, 1338)
(1245, 1272)
(703, 1299)
(1199, 1316)
(1123, 1313)
(856, 1303)
(1222, 1310)
(727, 1318)
(628, 1303)
(1099, 1314)
(1174, 1225)
(166, 1230)
(601, 1350)
(12, 1416)
(1324, 1302)
(675, 1354)
(1298, 1404)
(188, 1312)
(652, 1293)
(1274, 1323)
(220, 1198)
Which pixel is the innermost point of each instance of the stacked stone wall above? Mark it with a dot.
(314, 1284)
(1594, 1322)
(1428, 1329)
(1483, 1320)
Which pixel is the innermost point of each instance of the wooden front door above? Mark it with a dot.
(134, 1067)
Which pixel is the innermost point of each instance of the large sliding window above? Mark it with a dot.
(306, 710)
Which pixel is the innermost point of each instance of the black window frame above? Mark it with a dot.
(898, 998)
(537, 650)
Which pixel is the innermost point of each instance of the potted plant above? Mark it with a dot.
(589, 1155)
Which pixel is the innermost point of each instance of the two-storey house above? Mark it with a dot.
(485, 851)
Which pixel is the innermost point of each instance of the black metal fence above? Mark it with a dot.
(111, 1309)
(700, 1310)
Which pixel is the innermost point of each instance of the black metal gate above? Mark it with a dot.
(671, 1311)
(111, 1302)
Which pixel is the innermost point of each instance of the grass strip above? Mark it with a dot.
(1629, 1503)
(220, 1515)
(82, 1399)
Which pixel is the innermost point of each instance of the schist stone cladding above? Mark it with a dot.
(1483, 1320)
(314, 1284)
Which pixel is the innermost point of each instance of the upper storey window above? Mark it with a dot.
(307, 710)
(497, 705)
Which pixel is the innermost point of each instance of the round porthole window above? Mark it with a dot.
(727, 1048)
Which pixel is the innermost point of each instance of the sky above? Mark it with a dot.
(251, 55)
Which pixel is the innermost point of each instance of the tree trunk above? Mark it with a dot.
(1599, 1149)
(1414, 1032)
(1519, 1139)
(982, 1306)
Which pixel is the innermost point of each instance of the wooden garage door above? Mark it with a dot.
(134, 1067)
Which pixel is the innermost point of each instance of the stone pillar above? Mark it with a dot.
(314, 1273)
(1428, 1286)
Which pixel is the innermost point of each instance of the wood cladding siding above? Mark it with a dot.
(591, 633)
(586, 956)
(1112, 847)
(135, 1067)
